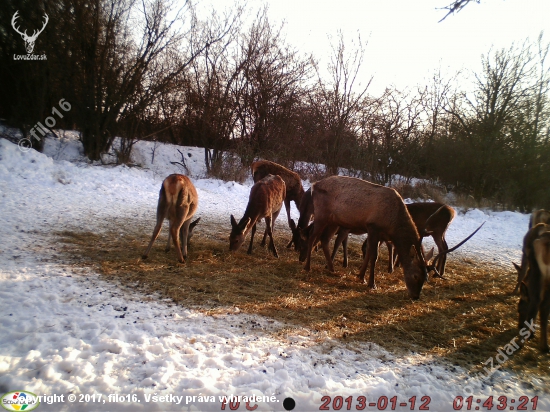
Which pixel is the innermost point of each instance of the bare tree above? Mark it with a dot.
(338, 103)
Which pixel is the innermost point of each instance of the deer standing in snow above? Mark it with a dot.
(178, 201)
(265, 202)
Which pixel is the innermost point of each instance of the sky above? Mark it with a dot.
(406, 41)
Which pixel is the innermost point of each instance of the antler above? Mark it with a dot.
(434, 263)
(14, 18)
(35, 33)
(25, 35)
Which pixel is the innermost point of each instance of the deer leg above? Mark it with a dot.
(262, 244)
(269, 230)
(312, 240)
(364, 247)
(341, 239)
(251, 239)
(175, 227)
(325, 239)
(287, 207)
(371, 257)
(167, 248)
(441, 247)
(345, 247)
(391, 256)
(162, 210)
(184, 232)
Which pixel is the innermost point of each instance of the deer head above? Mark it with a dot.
(29, 40)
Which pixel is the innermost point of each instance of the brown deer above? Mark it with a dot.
(538, 216)
(535, 287)
(178, 201)
(430, 219)
(362, 207)
(265, 202)
(294, 189)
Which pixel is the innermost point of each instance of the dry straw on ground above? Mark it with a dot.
(463, 320)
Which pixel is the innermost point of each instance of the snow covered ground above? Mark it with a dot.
(66, 332)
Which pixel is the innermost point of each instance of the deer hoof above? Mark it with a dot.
(144, 257)
(166, 250)
(544, 348)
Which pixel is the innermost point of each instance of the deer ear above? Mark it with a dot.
(233, 221)
(195, 223)
(518, 268)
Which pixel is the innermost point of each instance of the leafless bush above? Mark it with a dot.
(229, 168)
(310, 171)
(421, 190)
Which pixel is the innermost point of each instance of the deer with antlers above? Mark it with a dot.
(430, 218)
(29, 40)
(535, 287)
(265, 202)
(178, 202)
(294, 188)
(361, 206)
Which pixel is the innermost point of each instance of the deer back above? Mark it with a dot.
(356, 204)
(179, 192)
(431, 217)
(294, 188)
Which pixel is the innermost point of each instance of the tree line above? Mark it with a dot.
(154, 69)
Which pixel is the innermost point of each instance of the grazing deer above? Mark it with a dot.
(535, 287)
(533, 233)
(538, 216)
(294, 189)
(430, 218)
(178, 201)
(265, 202)
(362, 207)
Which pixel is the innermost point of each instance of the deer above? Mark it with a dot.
(430, 219)
(538, 216)
(361, 206)
(265, 202)
(29, 40)
(294, 188)
(178, 202)
(535, 287)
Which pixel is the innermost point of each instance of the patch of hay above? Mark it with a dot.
(463, 319)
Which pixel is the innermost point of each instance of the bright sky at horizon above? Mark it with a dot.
(406, 42)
